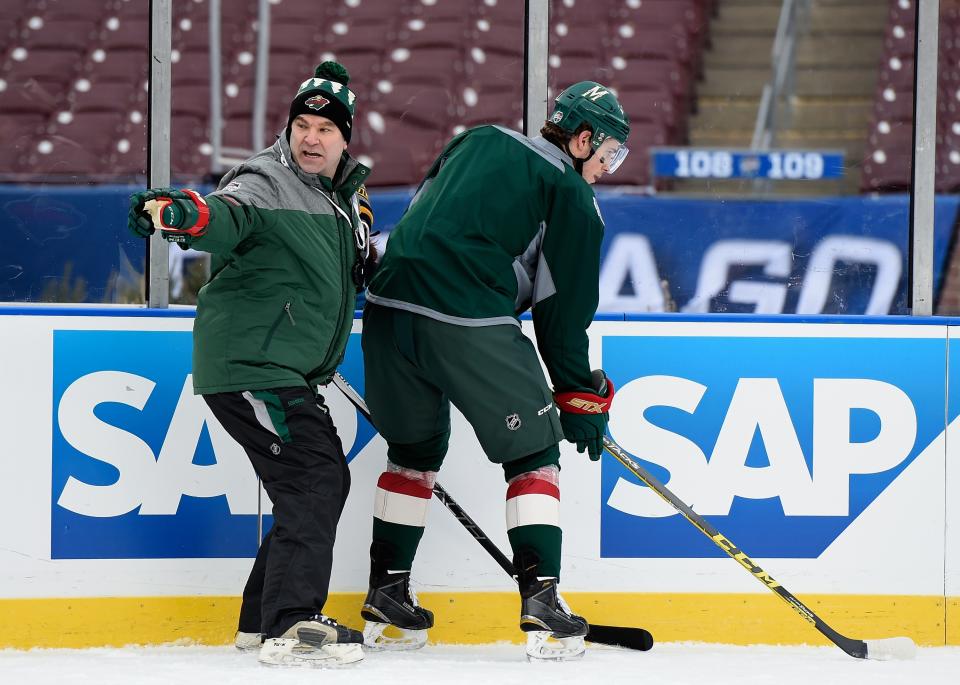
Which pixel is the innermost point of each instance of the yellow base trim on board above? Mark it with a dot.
(479, 617)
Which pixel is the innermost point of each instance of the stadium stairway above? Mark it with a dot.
(838, 52)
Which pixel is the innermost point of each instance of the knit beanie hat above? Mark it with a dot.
(326, 95)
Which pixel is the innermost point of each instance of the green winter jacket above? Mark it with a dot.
(278, 308)
(497, 214)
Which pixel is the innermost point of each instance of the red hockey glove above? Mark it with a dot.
(180, 215)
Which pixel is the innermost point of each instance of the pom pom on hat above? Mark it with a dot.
(333, 71)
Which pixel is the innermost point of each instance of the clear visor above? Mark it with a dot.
(611, 154)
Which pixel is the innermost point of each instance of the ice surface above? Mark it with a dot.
(502, 664)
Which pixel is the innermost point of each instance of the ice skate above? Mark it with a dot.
(391, 604)
(246, 642)
(554, 633)
(319, 642)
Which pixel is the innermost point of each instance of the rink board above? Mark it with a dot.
(819, 446)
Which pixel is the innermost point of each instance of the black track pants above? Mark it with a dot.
(289, 437)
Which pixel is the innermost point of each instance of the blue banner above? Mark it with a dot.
(776, 165)
(831, 255)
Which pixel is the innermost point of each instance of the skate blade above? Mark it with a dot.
(246, 642)
(280, 651)
(542, 646)
(374, 638)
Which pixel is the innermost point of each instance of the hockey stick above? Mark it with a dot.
(887, 648)
(617, 636)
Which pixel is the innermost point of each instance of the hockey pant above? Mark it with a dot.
(293, 445)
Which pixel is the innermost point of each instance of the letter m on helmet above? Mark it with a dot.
(594, 93)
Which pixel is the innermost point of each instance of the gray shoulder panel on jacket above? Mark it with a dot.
(554, 156)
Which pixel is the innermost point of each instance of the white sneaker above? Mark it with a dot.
(246, 642)
(319, 642)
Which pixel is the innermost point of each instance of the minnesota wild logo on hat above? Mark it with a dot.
(316, 102)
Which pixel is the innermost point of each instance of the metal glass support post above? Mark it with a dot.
(924, 166)
(535, 66)
(216, 88)
(158, 147)
(260, 82)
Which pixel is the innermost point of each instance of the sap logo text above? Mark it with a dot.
(153, 482)
(757, 406)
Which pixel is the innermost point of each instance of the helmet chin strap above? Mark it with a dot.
(577, 162)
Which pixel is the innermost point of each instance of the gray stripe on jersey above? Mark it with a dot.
(438, 316)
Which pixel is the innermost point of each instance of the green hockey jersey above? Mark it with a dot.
(501, 221)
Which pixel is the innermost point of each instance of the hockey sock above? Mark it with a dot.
(400, 512)
(533, 517)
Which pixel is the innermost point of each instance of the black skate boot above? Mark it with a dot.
(554, 633)
(391, 602)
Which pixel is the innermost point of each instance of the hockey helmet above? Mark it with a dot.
(595, 104)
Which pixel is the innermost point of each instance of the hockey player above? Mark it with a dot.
(272, 323)
(501, 221)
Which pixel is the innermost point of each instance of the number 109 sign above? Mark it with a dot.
(789, 165)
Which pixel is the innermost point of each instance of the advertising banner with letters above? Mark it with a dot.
(818, 447)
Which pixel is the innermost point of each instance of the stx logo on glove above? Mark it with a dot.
(585, 406)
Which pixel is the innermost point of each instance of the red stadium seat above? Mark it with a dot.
(499, 36)
(492, 104)
(507, 11)
(89, 10)
(443, 66)
(886, 172)
(444, 33)
(125, 66)
(306, 11)
(107, 97)
(48, 64)
(654, 105)
(59, 34)
(32, 96)
(126, 34)
(425, 105)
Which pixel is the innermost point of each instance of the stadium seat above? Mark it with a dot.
(499, 36)
(504, 11)
(445, 33)
(495, 68)
(886, 171)
(50, 64)
(59, 34)
(32, 96)
(492, 104)
(125, 66)
(88, 10)
(654, 105)
(306, 11)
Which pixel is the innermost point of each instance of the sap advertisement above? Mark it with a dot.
(780, 442)
(830, 255)
(820, 445)
(141, 468)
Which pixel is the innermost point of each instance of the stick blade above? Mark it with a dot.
(617, 636)
(900, 648)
